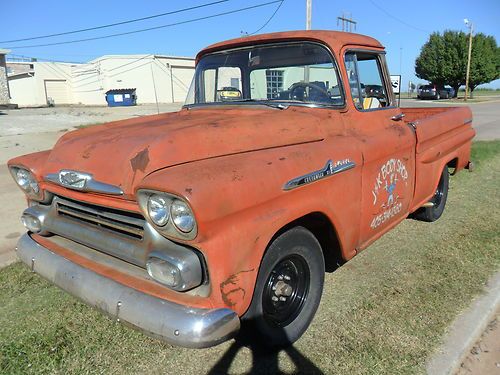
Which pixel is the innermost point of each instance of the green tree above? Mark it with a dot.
(443, 59)
(485, 61)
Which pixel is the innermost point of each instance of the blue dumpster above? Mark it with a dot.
(121, 97)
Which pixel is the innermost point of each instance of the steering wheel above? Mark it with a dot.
(304, 86)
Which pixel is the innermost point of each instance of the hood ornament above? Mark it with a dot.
(73, 179)
(82, 181)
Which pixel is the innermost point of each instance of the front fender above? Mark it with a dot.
(240, 203)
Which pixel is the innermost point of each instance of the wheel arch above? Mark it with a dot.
(453, 163)
(324, 230)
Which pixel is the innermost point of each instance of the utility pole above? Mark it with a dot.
(308, 27)
(308, 14)
(347, 23)
(471, 27)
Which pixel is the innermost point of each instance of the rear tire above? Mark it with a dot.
(433, 213)
(287, 292)
(438, 96)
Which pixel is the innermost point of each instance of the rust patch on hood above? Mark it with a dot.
(140, 161)
(231, 292)
(87, 151)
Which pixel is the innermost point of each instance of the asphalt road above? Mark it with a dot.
(28, 130)
(485, 115)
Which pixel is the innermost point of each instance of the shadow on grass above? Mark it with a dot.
(265, 359)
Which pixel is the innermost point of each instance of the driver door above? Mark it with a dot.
(387, 143)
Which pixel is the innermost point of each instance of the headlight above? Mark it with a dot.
(26, 181)
(170, 214)
(182, 216)
(158, 209)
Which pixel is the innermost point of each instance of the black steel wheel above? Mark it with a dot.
(433, 213)
(288, 289)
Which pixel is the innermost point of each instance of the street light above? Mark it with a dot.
(470, 26)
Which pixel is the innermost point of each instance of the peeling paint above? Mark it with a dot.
(87, 151)
(140, 161)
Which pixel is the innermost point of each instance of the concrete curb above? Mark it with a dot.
(466, 330)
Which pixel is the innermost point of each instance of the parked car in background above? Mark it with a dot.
(450, 91)
(435, 92)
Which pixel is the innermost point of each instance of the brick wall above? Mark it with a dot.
(4, 89)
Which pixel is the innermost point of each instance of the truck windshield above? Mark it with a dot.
(295, 73)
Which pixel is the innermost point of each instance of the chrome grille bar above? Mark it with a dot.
(124, 223)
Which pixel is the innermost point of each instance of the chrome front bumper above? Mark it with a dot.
(176, 324)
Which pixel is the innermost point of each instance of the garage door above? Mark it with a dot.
(57, 91)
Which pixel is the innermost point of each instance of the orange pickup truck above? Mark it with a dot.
(281, 166)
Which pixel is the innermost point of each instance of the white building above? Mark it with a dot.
(165, 79)
(4, 87)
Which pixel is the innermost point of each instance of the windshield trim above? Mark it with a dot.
(266, 103)
(290, 102)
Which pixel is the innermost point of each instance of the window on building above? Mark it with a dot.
(274, 80)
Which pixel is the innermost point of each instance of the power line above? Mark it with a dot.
(397, 19)
(150, 28)
(13, 58)
(117, 23)
(270, 18)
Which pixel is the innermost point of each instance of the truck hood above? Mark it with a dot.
(121, 153)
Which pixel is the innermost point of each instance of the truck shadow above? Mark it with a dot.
(264, 359)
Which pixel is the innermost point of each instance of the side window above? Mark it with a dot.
(366, 81)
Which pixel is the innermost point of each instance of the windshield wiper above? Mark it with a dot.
(263, 102)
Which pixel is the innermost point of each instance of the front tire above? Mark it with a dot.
(433, 213)
(288, 290)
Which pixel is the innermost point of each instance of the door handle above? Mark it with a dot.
(398, 117)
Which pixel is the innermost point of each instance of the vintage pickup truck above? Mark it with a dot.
(280, 167)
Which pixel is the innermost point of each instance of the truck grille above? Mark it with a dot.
(124, 223)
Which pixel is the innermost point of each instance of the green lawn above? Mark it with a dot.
(384, 312)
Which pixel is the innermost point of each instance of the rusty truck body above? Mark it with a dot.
(280, 167)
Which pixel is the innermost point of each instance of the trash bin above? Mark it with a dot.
(121, 97)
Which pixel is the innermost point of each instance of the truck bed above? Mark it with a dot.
(443, 138)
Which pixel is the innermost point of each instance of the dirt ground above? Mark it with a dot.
(484, 357)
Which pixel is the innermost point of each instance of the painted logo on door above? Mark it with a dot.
(386, 190)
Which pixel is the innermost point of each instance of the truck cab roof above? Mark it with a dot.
(334, 39)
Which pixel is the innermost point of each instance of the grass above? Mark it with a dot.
(384, 312)
(88, 125)
(479, 92)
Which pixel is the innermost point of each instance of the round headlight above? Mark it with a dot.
(158, 209)
(182, 216)
(26, 181)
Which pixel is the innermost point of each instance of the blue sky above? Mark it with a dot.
(402, 26)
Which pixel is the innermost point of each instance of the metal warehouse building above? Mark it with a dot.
(165, 79)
